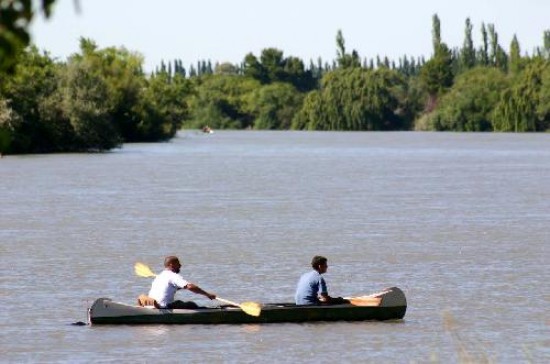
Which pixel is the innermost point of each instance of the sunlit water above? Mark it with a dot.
(461, 222)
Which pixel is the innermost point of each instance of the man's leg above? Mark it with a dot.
(180, 305)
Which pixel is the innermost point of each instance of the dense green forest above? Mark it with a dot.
(100, 98)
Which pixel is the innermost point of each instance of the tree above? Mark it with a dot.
(497, 57)
(436, 33)
(469, 104)
(518, 109)
(515, 56)
(222, 101)
(273, 64)
(437, 75)
(15, 19)
(27, 91)
(484, 51)
(353, 99)
(275, 105)
(468, 56)
(254, 69)
(85, 102)
(344, 59)
(543, 107)
(546, 44)
(121, 70)
(162, 108)
(226, 68)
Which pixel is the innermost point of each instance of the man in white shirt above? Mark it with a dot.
(166, 284)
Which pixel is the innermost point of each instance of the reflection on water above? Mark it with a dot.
(251, 328)
(458, 221)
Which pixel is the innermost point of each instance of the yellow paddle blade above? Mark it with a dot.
(251, 308)
(143, 270)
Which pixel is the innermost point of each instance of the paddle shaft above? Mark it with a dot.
(228, 302)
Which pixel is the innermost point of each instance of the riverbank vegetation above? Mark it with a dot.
(100, 97)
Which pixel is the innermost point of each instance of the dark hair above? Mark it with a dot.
(170, 260)
(317, 261)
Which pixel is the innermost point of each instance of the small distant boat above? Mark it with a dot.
(208, 130)
(390, 304)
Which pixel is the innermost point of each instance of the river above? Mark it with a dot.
(459, 221)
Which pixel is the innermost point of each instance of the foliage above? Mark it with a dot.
(15, 18)
(437, 74)
(221, 101)
(274, 105)
(543, 108)
(273, 67)
(162, 108)
(344, 59)
(26, 92)
(468, 54)
(100, 98)
(354, 99)
(519, 108)
(86, 104)
(469, 105)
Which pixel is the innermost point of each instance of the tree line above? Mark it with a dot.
(101, 97)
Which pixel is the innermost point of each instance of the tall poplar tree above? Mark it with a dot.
(468, 56)
(515, 56)
(484, 51)
(436, 32)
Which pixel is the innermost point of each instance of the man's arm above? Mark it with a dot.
(196, 289)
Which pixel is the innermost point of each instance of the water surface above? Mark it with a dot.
(459, 221)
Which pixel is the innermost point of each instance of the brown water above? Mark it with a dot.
(461, 222)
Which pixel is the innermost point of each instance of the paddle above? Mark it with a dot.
(250, 308)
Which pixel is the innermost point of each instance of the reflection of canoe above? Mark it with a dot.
(392, 306)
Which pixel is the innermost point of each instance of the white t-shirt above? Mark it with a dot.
(165, 285)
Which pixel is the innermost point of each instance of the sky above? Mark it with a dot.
(227, 30)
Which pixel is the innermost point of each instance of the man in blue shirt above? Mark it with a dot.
(312, 288)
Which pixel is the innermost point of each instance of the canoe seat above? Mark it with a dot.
(144, 301)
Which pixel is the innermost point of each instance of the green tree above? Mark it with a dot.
(517, 107)
(15, 19)
(26, 91)
(436, 33)
(470, 103)
(254, 69)
(468, 56)
(546, 44)
(162, 108)
(344, 59)
(275, 105)
(484, 51)
(437, 75)
(273, 63)
(222, 101)
(85, 100)
(497, 57)
(121, 70)
(543, 107)
(515, 56)
(354, 99)
(226, 68)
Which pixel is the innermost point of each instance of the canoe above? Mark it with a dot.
(391, 305)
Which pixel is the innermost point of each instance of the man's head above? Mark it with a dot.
(319, 263)
(173, 263)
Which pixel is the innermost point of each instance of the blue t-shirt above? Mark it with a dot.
(310, 285)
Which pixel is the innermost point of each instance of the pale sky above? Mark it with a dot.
(226, 30)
